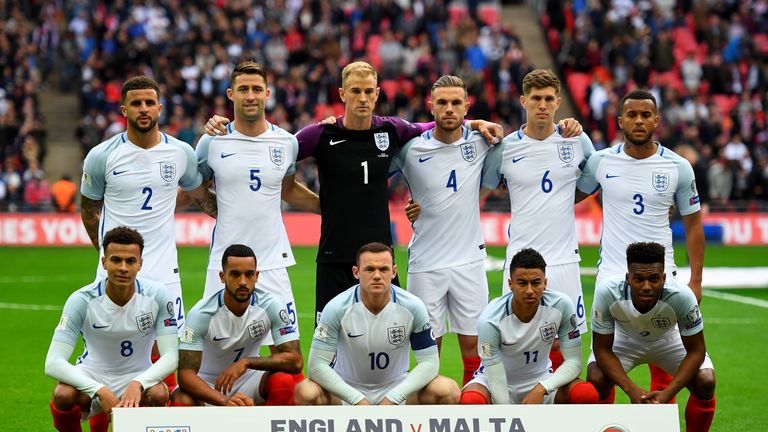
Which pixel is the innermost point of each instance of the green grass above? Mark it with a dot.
(46, 276)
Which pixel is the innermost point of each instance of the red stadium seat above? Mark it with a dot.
(456, 12)
(761, 42)
(489, 13)
(726, 103)
(389, 88)
(578, 82)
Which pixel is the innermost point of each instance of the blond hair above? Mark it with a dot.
(361, 68)
(449, 81)
(539, 79)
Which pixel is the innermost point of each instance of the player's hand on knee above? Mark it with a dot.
(570, 127)
(637, 396)
(228, 376)
(535, 396)
(107, 399)
(216, 125)
(364, 402)
(657, 397)
(412, 211)
(239, 399)
(131, 396)
(328, 120)
(386, 401)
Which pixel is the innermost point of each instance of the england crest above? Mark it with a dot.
(168, 171)
(145, 322)
(548, 332)
(396, 335)
(661, 322)
(469, 151)
(276, 155)
(660, 180)
(565, 152)
(382, 140)
(257, 329)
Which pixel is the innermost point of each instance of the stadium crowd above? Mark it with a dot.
(707, 65)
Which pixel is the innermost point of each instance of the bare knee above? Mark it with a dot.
(157, 395)
(598, 379)
(440, 391)
(65, 397)
(308, 392)
(702, 385)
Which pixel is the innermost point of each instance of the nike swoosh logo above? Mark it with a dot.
(116, 172)
(215, 339)
(517, 159)
(226, 155)
(422, 160)
(609, 176)
(332, 142)
(99, 327)
(353, 336)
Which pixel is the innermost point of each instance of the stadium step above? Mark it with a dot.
(523, 20)
(61, 113)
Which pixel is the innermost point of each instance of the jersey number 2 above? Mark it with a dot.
(148, 192)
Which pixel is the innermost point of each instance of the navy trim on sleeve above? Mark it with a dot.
(423, 339)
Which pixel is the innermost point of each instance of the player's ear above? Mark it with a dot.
(356, 272)
(122, 110)
(341, 94)
(522, 100)
(141, 262)
(104, 262)
(394, 270)
(376, 95)
(545, 283)
(618, 120)
(222, 278)
(256, 277)
(230, 94)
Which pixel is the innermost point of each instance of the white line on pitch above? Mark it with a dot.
(737, 298)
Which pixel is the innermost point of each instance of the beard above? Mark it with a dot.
(135, 125)
(637, 141)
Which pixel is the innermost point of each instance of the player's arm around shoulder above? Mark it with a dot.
(588, 183)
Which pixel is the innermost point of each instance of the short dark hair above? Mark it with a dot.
(639, 94)
(374, 247)
(123, 236)
(645, 253)
(529, 259)
(447, 81)
(539, 79)
(247, 67)
(237, 250)
(139, 83)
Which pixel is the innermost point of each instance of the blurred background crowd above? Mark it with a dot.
(706, 61)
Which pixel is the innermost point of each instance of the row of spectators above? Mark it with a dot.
(707, 64)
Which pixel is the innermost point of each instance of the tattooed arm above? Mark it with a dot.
(90, 212)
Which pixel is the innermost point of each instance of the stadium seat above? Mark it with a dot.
(489, 13)
(726, 103)
(578, 82)
(389, 88)
(456, 12)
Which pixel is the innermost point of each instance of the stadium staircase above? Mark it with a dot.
(523, 19)
(62, 114)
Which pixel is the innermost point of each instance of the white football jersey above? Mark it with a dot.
(445, 180)
(541, 178)
(248, 175)
(118, 339)
(612, 310)
(524, 347)
(139, 189)
(637, 195)
(225, 338)
(372, 351)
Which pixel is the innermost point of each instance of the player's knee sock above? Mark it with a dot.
(583, 393)
(556, 357)
(66, 421)
(170, 380)
(299, 377)
(610, 398)
(660, 380)
(473, 397)
(178, 404)
(99, 422)
(471, 364)
(699, 414)
(280, 388)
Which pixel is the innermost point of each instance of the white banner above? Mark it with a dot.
(434, 418)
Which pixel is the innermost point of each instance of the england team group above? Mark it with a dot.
(523, 347)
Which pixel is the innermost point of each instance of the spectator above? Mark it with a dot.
(64, 193)
(37, 193)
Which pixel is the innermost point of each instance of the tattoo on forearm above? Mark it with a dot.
(90, 212)
(208, 204)
(190, 359)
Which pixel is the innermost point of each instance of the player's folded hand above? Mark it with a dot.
(492, 132)
(328, 120)
(228, 376)
(656, 397)
(239, 399)
(216, 125)
(535, 396)
(570, 127)
(131, 396)
(412, 211)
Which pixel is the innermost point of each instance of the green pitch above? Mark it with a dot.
(35, 282)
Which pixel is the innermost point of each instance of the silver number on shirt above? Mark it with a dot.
(452, 181)
(364, 164)
(255, 178)
(379, 360)
(146, 191)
